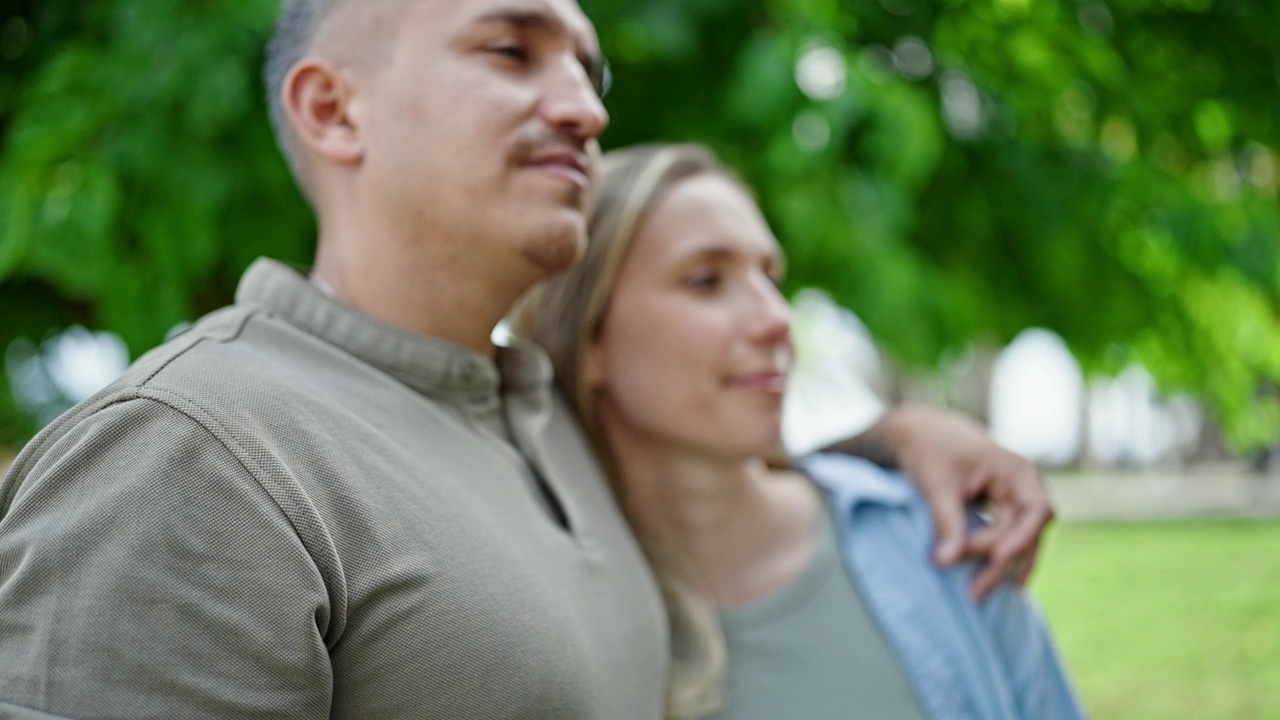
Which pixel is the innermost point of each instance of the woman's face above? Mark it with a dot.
(695, 346)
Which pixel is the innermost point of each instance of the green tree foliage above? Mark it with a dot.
(951, 169)
(138, 175)
(1107, 170)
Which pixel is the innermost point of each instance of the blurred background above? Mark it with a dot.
(1058, 215)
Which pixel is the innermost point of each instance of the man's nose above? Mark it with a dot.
(572, 103)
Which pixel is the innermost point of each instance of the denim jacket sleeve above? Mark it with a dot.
(966, 661)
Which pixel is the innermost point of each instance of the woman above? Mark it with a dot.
(798, 592)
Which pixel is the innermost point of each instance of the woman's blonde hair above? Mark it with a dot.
(564, 316)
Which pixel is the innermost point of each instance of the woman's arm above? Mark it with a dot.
(955, 463)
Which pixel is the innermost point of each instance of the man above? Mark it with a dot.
(335, 498)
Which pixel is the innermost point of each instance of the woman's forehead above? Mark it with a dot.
(706, 214)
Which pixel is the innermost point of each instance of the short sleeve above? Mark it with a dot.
(145, 573)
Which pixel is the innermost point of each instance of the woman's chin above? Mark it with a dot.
(765, 444)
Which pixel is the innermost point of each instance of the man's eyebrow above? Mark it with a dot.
(523, 18)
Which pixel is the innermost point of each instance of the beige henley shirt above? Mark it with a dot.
(295, 511)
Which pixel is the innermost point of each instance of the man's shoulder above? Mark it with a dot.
(216, 374)
(236, 363)
(223, 397)
(214, 352)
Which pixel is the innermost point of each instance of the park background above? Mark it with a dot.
(1098, 178)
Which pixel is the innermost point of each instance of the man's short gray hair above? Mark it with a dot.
(295, 30)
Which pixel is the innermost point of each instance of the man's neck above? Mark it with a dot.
(420, 294)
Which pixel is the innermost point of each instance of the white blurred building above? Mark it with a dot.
(1039, 404)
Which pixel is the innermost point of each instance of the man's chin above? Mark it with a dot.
(559, 249)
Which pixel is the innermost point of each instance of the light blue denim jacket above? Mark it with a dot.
(987, 661)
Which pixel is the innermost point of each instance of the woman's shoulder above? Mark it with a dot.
(851, 481)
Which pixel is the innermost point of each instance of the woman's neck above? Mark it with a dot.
(737, 528)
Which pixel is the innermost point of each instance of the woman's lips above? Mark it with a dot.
(771, 383)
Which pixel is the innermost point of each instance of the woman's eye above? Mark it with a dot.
(704, 280)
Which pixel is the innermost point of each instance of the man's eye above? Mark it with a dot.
(512, 52)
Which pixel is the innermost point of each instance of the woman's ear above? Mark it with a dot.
(318, 100)
(593, 365)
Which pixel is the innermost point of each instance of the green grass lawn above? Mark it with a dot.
(1167, 620)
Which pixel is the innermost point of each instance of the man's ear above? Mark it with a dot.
(317, 100)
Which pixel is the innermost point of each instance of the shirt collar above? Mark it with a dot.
(432, 366)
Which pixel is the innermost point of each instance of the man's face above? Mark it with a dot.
(481, 128)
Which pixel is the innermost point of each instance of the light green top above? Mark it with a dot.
(293, 511)
(813, 652)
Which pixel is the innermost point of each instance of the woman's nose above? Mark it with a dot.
(773, 315)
